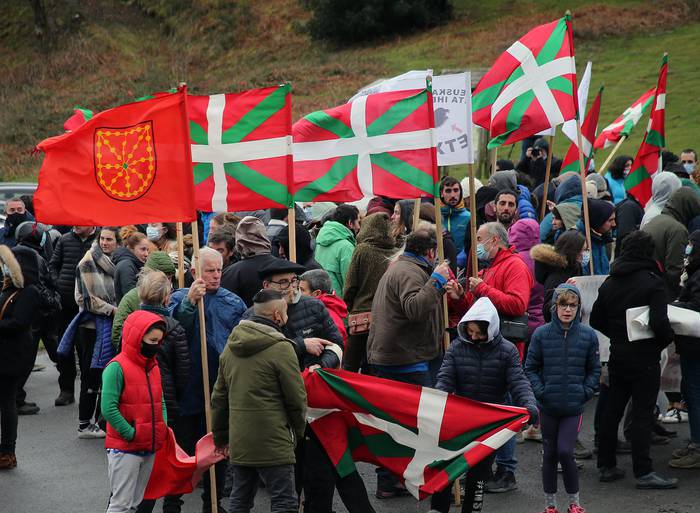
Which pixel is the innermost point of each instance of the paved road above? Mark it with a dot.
(58, 473)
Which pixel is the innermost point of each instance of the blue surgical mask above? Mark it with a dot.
(152, 233)
(482, 253)
(689, 168)
(688, 249)
(5, 270)
(585, 259)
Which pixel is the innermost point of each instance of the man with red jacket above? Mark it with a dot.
(317, 283)
(507, 282)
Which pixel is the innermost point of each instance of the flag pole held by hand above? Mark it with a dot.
(547, 174)
(292, 230)
(180, 257)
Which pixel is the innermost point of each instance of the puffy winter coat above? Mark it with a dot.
(137, 381)
(551, 270)
(485, 371)
(127, 267)
(69, 250)
(456, 220)
(334, 246)
(563, 365)
(338, 311)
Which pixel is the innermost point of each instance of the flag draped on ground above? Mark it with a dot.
(80, 116)
(648, 160)
(127, 165)
(588, 130)
(242, 149)
(531, 87)
(424, 436)
(624, 124)
(379, 144)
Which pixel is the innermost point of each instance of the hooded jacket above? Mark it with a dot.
(485, 371)
(22, 300)
(632, 282)
(132, 397)
(662, 187)
(551, 270)
(616, 186)
(456, 220)
(259, 399)
(563, 365)
(334, 246)
(600, 212)
(670, 234)
(524, 235)
(568, 191)
(375, 246)
(505, 180)
(338, 311)
(126, 270)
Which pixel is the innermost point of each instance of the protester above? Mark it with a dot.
(535, 162)
(602, 223)
(524, 234)
(19, 304)
(305, 253)
(336, 242)
(663, 185)
(617, 172)
(316, 283)
(556, 264)
(406, 330)
(15, 214)
(455, 216)
(568, 200)
(222, 311)
(506, 207)
(253, 248)
(402, 221)
(133, 405)
(635, 280)
(163, 235)
(628, 218)
(224, 242)
(68, 251)
(96, 300)
(128, 266)
(483, 366)
(259, 406)
(669, 232)
(225, 221)
(563, 366)
(277, 223)
(375, 246)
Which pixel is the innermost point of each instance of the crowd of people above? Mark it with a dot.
(366, 295)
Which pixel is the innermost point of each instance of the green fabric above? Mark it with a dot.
(160, 261)
(128, 304)
(259, 400)
(335, 244)
(112, 387)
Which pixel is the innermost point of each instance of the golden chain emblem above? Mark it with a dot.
(125, 163)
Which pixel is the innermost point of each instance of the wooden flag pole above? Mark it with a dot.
(205, 364)
(495, 159)
(547, 174)
(180, 257)
(292, 228)
(441, 258)
(584, 195)
(604, 167)
(416, 213)
(472, 221)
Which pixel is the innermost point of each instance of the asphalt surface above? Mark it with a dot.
(59, 473)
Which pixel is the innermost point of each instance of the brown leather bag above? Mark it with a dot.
(359, 323)
(7, 303)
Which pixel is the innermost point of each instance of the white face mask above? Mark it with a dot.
(152, 233)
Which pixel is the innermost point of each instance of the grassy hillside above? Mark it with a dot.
(116, 52)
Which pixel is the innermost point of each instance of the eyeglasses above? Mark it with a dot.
(567, 306)
(285, 284)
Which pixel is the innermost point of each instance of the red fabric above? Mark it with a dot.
(338, 311)
(127, 165)
(141, 401)
(175, 472)
(507, 283)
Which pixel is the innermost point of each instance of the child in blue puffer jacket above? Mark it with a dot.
(563, 366)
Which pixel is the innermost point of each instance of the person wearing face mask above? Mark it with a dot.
(135, 411)
(163, 236)
(222, 310)
(689, 160)
(16, 213)
(259, 406)
(336, 242)
(617, 172)
(602, 223)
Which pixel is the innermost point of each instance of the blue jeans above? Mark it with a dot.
(690, 386)
(505, 456)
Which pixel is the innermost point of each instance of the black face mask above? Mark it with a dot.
(149, 350)
(16, 219)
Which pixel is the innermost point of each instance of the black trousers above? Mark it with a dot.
(321, 480)
(90, 379)
(473, 489)
(21, 393)
(66, 364)
(8, 413)
(639, 382)
(355, 357)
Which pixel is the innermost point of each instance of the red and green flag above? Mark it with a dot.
(426, 437)
(648, 160)
(531, 87)
(623, 125)
(379, 144)
(242, 149)
(588, 131)
(80, 116)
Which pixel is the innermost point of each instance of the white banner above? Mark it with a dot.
(453, 111)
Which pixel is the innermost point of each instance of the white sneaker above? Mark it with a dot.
(91, 431)
(533, 433)
(675, 416)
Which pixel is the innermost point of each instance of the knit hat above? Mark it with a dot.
(160, 261)
(599, 211)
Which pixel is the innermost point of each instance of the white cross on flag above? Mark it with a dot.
(531, 87)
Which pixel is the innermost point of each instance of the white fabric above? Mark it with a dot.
(481, 310)
(569, 127)
(683, 322)
(588, 287)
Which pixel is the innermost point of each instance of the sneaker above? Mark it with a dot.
(551, 509)
(391, 493)
(653, 481)
(8, 461)
(519, 437)
(91, 431)
(575, 508)
(691, 459)
(505, 482)
(675, 416)
(27, 409)
(608, 475)
(581, 452)
(681, 452)
(533, 433)
(64, 398)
